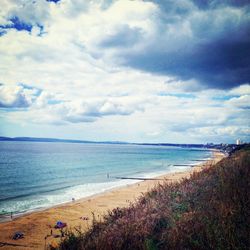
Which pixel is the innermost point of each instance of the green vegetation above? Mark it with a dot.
(208, 211)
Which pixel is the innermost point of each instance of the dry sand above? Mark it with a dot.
(37, 225)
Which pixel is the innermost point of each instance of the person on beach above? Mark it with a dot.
(62, 233)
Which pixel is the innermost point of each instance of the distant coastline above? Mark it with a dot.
(39, 139)
(225, 148)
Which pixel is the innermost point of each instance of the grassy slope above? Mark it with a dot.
(208, 211)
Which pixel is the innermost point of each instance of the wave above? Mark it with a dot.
(36, 201)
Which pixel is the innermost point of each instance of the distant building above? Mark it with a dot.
(238, 142)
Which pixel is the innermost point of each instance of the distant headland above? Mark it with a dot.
(226, 148)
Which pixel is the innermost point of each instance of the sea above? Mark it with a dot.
(38, 175)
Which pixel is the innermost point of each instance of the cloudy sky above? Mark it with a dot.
(138, 71)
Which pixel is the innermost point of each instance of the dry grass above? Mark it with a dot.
(208, 211)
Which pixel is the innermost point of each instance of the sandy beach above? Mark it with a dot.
(37, 225)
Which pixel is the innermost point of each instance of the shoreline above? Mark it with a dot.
(160, 174)
(37, 224)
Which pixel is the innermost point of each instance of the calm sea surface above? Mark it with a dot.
(35, 175)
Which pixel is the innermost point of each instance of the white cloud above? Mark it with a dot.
(241, 90)
(240, 102)
(16, 96)
(76, 66)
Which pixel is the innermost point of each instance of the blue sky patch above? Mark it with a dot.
(55, 1)
(17, 24)
(179, 95)
(54, 102)
(224, 97)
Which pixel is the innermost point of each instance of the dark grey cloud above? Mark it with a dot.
(217, 54)
(205, 4)
(123, 36)
(224, 63)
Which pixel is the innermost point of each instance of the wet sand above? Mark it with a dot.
(37, 225)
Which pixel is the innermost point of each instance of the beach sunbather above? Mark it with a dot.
(84, 218)
(60, 224)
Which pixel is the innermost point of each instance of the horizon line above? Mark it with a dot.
(51, 139)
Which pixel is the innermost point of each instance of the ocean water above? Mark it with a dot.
(37, 175)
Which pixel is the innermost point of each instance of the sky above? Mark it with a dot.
(135, 71)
